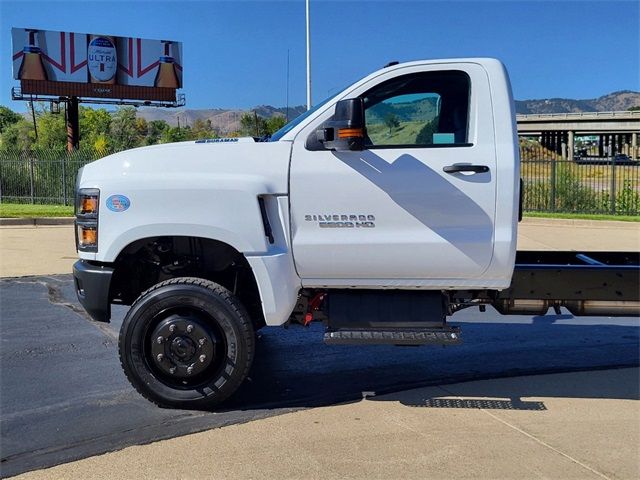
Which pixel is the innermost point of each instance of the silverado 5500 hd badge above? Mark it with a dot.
(342, 221)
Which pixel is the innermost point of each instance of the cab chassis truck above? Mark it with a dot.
(382, 228)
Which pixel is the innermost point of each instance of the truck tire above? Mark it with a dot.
(186, 343)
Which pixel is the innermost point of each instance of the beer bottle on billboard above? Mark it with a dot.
(32, 67)
(167, 76)
(102, 61)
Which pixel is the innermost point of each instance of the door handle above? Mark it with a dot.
(465, 168)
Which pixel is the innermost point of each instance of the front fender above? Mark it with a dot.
(229, 215)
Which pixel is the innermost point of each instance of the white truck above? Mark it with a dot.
(382, 211)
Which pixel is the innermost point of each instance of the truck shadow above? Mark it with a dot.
(468, 403)
(513, 393)
(295, 369)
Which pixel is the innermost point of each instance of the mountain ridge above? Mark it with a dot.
(226, 121)
(614, 101)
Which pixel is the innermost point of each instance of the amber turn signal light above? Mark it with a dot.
(350, 132)
(89, 236)
(89, 205)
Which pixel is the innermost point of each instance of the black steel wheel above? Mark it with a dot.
(186, 343)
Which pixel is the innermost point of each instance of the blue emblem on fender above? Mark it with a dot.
(118, 203)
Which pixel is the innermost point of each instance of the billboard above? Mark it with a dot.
(95, 65)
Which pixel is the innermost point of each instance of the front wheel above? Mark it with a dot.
(186, 343)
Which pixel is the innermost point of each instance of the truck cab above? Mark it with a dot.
(428, 199)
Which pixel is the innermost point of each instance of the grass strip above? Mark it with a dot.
(20, 210)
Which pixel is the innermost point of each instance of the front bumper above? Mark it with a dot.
(92, 283)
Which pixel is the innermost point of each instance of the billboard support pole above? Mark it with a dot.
(33, 116)
(73, 124)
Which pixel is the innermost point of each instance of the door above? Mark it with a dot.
(417, 205)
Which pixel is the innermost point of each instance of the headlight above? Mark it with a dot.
(87, 206)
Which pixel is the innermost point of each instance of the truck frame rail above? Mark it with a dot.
(586, 283)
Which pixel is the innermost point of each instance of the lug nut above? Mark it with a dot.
(189, 328)
(172, 370)
(160, 340)
(202, 341)
(160, 357)
(189, 370)
(202, 358)
(172, 328)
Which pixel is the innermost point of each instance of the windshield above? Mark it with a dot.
(296, 121)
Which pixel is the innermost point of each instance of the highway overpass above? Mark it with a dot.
(617, 132)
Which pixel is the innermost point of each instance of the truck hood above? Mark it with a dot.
(264, 165)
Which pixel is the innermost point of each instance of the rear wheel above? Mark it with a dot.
(186, 343)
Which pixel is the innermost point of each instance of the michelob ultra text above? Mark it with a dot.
(102, 61)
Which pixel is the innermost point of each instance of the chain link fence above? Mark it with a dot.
(551, 183)
(42, 177)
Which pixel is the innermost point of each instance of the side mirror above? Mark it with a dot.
(346, 129)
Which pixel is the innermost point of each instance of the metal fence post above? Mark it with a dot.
(554, 166)
(613, 185)
(64, 181)
(32, 179)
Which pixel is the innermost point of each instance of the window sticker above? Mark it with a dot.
(443, 138)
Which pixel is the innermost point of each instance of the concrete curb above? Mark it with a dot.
(35, 222)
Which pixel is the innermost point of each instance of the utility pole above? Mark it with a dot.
(308, 61)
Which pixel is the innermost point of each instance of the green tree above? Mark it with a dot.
(175, 134)
(8, 117)
(391, 121)
(155, 129)
(95, 128)
(18, 136)
(52, 131)
(142, 128)
(203, 129)
(635, 108)
(252, 125)
(274, 124)
(124, 134)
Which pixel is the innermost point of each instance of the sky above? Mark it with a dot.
(235, 52)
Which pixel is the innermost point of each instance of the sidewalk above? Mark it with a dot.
(575, 425)
(589, 235)
(36, 250)
(566, 426)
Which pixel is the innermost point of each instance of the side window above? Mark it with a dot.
(422, 109)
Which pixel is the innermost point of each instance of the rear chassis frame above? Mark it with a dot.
(586, 283)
